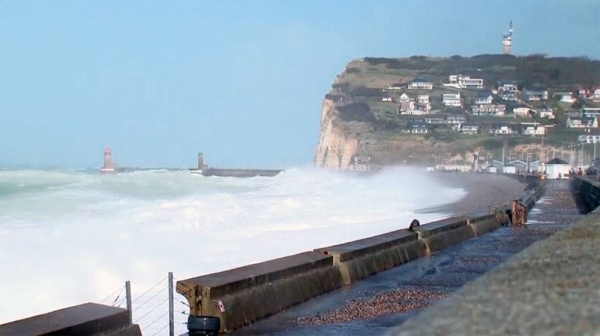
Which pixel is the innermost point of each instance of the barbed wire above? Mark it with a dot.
(161, 329)
(151, 310)
(163, 315)
(152, 297)
(146, 292)
(120, 291)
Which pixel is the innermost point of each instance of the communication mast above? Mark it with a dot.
(507, 40)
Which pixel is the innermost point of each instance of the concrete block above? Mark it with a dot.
(484, 224)
(84, 319)
(243, 295)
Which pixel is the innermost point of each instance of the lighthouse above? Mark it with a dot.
(108, 164)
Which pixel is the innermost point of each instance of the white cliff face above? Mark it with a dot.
(336, 148)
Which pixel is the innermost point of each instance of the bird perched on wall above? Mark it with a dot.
(415, 223)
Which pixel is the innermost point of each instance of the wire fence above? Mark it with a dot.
(151, 309)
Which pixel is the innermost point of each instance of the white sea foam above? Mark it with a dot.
(73, 237)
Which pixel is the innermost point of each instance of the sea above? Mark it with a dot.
(73, 236)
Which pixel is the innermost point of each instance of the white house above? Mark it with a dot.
(497, 110)
(533, 129)
(521, 111)
(464, 82)
(582, 122)
(508, 86)
(565, 97)
(534, 94)
(469, 129)
(386, 99)
(456, 119)
(484, 99)
(451, 99)
(508, 95)
(416, 127)
(596, 93)
(503, 129)
(423, 99)
(420, 84)
(546, 112)
(557, 167)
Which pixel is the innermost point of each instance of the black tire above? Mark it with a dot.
(203, 325)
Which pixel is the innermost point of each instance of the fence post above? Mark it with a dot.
(128, 299)
(171, 310)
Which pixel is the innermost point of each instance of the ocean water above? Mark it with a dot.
(69, 237)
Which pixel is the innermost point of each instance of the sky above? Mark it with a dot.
(241, 81)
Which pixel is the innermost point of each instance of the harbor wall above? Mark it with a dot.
(240, 172)
(85, 319)
(244, 295)
(589, 191)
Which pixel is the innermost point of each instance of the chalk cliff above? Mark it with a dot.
(336, 147)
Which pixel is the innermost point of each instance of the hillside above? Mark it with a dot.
(422, 109)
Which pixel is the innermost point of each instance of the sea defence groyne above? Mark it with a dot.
(550, 288)
(86, 319)
(241, 296)
(110, 167)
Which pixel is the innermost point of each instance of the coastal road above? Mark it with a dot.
(383, 301)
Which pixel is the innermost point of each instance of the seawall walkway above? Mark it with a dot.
(549, 289)
(376, 305)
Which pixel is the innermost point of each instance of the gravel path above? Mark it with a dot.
(483, 190)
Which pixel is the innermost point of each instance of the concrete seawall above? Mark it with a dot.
(244, 295)
(550, 288)
(240, 172)
(84, 319)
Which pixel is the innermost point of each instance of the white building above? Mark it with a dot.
(489, 110)
(533, 129)
(420, 84)
(464, 82)
(423, 99)
(484, 99)
(451, 99)
(582, 122)
(557, 167)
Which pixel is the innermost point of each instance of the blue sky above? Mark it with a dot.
(242, 81)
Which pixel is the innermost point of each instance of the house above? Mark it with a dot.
(565, 97)
(386, 99)
(589, 138)
(435, 120)
(508, 86)
(425, 107)
(496, 110)
(456, 119)
(521, 110)
(451, 99)
(423, 99)
(596, 94)
(590, 112)
(532, 129)
(582, 122)
(557, 168)
(501, 128)
(534, 94)
(420, 84)
(508, 95)
(416, 127)
(545, 112)
(464, 82)
(469, 129)
(484, 99)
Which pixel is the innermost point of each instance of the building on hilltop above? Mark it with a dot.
(520, 110)
(494, 110)
(507, 40)
(420, 84)
(545, 112)
(582, 122)
(456, 119)
(423, 99)
(534, 94)
(469, 129)
(451, 99)
(416, 127)
(533, 129)
(484, 98)
(503, 128)
(464, 82)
